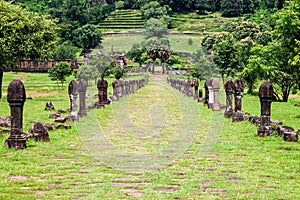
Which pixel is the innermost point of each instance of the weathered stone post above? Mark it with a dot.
(206, 95)
(82, 92)
(238, 95)
(16, 97)
(210, 93)
(115, 85)
(265, 96)
(216, 88)
(121, 89)
(196, 86)
(73, 93)
(229, 91)
(102, 93)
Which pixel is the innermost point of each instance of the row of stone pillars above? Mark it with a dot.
(189, 88)
(265, 95)
(123, 88)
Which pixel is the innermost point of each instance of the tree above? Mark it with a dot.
(154, 10)
(137, 53)
(87, 37)
(226, 56)
(59, 72)
(87, 72)
(275, 60)
(155, 28)
(203, 64)
(231, 8)
(104, 64)
(24, 35)
(66, 51)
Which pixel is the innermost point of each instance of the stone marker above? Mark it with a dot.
(82, 92)
(210, 93)
(206, 95)
(39, 132)
(49, 106)
(229, 91)
(116, 88)
(16, 97)
(102, 93)
(216, 88)
(73, 93)
(238, 95)
(265, 95)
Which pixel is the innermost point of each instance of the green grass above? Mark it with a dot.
(124, 42)
(231, 162)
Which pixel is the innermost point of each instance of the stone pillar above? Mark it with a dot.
(121, 89)
(210, 93)
(115, 85)
(216, 88)
(238, 95)
(265, 96)
(102, 93)
(196, 85)
(73, 93)
(16, 98)
(206, 95)
(82, 92)
(229, 91)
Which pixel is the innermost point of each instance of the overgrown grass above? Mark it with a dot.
(231, 162)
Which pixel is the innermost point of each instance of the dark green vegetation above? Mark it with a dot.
(232, 164)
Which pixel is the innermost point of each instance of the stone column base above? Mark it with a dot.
(237, 117)
(228, 114)
(264, 131)
(16, 141)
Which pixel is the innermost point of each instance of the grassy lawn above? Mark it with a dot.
(154, 144)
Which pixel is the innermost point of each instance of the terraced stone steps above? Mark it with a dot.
(123, 19)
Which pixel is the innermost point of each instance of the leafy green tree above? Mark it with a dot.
(66, 51)
(275, 60)
(104, 64)
(154, 10)
(231, 8)
(155, 28)
(226, 57)
(203, 64)
(59, 72)
(87, 72)
(24, 35)
(137, 54)
(88, 36)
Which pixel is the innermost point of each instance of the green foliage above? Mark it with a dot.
(226, 57)
(104, 64)
(66, 51)
(119, 4)
(59, 72)
(137, 53)
(88, 36)
(24, 35)
(231, 8)
(87, 72)
(203, 64)
(154, 10)
(155, 28)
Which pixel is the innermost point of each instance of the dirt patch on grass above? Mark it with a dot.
(206, 182)
(18, 178)
(169, 189)
(132, 192)
(34, 94)
(234, 179)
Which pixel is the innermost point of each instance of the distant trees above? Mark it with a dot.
(87, 36)
(24, 35)
(59, 72)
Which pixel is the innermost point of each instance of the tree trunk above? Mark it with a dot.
(250, 88)
(1, 78)
(163, 68)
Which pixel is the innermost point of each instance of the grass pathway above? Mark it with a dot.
(154, 144)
